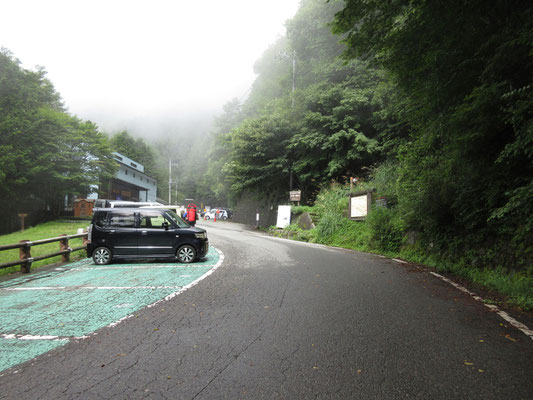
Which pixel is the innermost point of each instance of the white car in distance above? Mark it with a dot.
(222, 214)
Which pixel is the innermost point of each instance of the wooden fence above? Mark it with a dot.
(25, 259)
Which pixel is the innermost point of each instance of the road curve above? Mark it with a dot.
(288, 320)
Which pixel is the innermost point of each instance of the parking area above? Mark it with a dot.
(47, 309)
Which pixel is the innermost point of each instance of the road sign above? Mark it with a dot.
(295, 195)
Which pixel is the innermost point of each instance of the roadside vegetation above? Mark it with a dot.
(385, 232)
(42, 231)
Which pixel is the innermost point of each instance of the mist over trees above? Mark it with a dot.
(337, 122)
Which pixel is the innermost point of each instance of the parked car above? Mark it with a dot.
(133, 233)
(228, 211)
(222, 214)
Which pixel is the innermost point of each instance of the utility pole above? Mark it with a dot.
(170, 164)
(169, 180)
(293, 75)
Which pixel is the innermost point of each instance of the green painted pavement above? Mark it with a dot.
(15, 351)
(80, 298)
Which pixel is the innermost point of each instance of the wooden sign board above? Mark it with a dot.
(295, 195)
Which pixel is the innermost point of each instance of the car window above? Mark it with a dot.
(100, 219)
(151, 219)
(177, 219)
(122, 220)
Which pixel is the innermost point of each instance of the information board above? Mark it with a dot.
(359, 206)
(284, 216)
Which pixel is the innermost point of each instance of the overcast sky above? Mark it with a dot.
(127, 63)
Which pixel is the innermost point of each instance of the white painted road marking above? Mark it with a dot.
(517, 324)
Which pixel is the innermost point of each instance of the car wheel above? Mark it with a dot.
(102, 256)
(224, 218)
(207, 217)
(186, 254)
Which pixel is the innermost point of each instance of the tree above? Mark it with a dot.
(465, 69)
(337, 122)
(136, 149)
(44, 152)
(258, 155)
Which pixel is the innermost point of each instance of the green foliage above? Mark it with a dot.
(335, 124)
(257, 153)
(298, 210)
(386, 229)
(465, 171)
(330, 223)
(330, 207)
(351, 235)
(307, 236)
(136, 149)
(293, 231)
(332, 199)
(45, 153)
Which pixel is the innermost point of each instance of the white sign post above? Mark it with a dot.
(284, 216)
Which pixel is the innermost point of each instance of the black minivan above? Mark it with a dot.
(133, 233)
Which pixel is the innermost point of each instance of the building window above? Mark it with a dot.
(125, 171)
(134, 174)
(133, 165)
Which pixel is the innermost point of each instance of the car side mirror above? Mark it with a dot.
(166, 225)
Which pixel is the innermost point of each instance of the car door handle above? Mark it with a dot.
(144, 232)
(112, 231)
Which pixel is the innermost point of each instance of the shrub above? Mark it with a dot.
(297, 210)
(386, 229)
(330, 223)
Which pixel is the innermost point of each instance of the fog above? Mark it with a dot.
(155, 68)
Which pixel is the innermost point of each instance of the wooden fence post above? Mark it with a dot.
(63, 245)
(25, 253)
(84, 239)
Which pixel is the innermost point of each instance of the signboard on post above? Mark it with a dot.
(295, 195)
(359, 205)
(22, 216)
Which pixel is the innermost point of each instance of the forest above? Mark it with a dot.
(428, 103)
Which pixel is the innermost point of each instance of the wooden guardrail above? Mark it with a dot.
(24, 246)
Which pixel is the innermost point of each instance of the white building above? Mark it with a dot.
(129, 183)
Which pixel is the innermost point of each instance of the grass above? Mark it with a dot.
(43, 231)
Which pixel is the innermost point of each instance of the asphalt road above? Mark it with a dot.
(287, 320)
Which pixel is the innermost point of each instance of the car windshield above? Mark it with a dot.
(177, 219)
